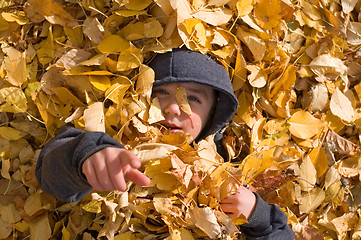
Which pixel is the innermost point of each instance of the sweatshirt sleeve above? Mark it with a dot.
(268, 222)
(59, 166)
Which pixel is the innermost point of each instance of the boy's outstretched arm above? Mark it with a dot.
(59, 168)
(109, 169)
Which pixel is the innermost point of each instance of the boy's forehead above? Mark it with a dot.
(195, 87)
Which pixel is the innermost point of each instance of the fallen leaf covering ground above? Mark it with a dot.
(295, 68)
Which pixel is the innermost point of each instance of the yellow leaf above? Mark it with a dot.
(258, 77)
(349, 167)
(286, 81)
(66, 96)
(253, 42)
(15, 66)
(157, 166)
(49, 104)
(181, 97)
(164, 181)
(145, 80)
(129, 13)
(113, 44)
(267, 13)
(164, 206)
(255, 164)
(117, 90)
(308, 174)
(153, 28)
(334, 122)
(4, 25)
(40, 229)
(345, 223)
(22, 226)
(93, 206)
(205, 220)
(138, 5)
(341, 106)
(327, 64)
(95, 60)
(75, 35)
(215, 16)
(100, 82)
(319, 160)
(239, 75)
(244, 109)
(19, 17)
(310, 10)
(9, 213)
(181, 171)
(125, 236)
(46, 49)
(181, 234)
(133, 31)
(94, 117)
(13, 100)
(5, 229)
(37, 10)
(303, 125)
(129, 59)
(139, 125)
(311, 200)
(155, 112)
(5, 168)
(33, 204)
(65, 234)
(147, 152)
(86, 71)
(257, 133)
(244, 7)
(240, 220)
(11, 133)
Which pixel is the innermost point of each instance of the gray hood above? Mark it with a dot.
(184, 65)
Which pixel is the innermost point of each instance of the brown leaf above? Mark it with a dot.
(336, 143)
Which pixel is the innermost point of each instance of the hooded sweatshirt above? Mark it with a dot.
(59, 167)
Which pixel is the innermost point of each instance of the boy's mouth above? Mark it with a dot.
(171, 128)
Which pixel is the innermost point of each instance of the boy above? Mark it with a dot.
(76, 161)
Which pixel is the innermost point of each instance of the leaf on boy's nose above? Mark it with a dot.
(181, 97)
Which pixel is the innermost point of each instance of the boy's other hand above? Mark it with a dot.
(110, 168)
(241, 202)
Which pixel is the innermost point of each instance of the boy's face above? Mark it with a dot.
(200, 98)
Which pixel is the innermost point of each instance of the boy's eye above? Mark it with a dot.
(159, 91)
(194, 99)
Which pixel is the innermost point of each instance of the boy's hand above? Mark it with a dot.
(241, 202)
(109, 169)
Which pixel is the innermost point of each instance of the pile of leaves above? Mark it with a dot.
(295, 68)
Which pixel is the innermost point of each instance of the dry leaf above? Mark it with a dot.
(303, 125)
(341, 106)
(94, 117)
(182, 100)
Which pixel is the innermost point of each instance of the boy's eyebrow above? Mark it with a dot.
(196, 90)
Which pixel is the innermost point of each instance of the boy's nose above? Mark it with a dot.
(173, 109)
